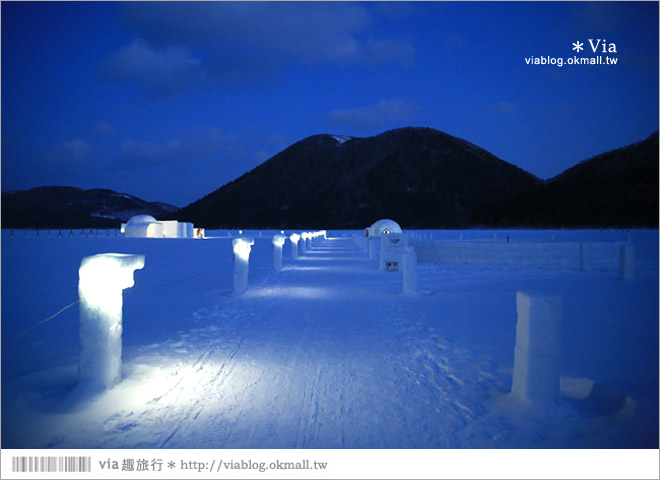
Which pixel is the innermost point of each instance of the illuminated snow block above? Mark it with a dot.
(585, 257)
(294, 237)
(101, 281)
(278, 242)
(537, 354)
(170, 229)
(409, 271)
(627, 262)
(242, 247)
(392, 247)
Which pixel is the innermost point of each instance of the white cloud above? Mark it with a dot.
(189, 145)
(70, 152)
(104, 128)
(160, 71)
(503, 108)
(381, 114)
(238, 43)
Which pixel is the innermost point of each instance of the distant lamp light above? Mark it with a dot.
(101, 281)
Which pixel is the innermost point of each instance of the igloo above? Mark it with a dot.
(143, 226)
(383, 226)
(146, 226)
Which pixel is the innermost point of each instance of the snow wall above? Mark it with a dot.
(559, 254)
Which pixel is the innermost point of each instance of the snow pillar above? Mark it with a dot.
(372, 248)
(101, 281)
(585, 257)
(409, 271)
(278, 242)
(627, 262)
(242, 247)
(294, 237)
(537, 353)
(303, 244)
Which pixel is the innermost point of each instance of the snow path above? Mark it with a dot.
(324, 354)
(277, 374)
(329, 354)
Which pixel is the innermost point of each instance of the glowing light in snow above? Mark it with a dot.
(291, 292)
(279, 240)
(242, 248)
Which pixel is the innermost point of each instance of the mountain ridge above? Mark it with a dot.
(422, 177)
(349, 184)
(73, 207)
(617, 188)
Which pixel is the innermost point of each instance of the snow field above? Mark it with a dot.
(326, 353)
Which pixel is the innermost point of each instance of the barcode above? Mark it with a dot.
(51, 464)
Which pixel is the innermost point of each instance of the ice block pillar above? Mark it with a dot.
(537, 353)
(372, 248)
(242, 247)
(294, 237)
(627, 262)
(303, 245)
(278, 242)
(409, 271)
(101, 281)
(585, 257)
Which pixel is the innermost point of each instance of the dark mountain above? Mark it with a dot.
(614, 189)
(419, 176)
(70, 207)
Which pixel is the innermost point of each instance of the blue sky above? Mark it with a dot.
(169, 101)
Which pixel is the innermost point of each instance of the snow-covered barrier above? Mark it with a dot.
(278, 242)
(409, 271)
(294, 238)
(373, 247)
(101, 281)
(537, 355)
(627, 262)
(572, 255)
(392, 247)
(242, 247)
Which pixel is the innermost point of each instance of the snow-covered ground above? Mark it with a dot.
(326, 353)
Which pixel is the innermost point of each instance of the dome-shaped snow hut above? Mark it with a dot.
(383, 226)
(143, 226)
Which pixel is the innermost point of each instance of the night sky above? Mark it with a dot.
(169, 101)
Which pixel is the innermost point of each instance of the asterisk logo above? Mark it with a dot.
(578, 46)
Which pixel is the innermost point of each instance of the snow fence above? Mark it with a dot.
(569, 255)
